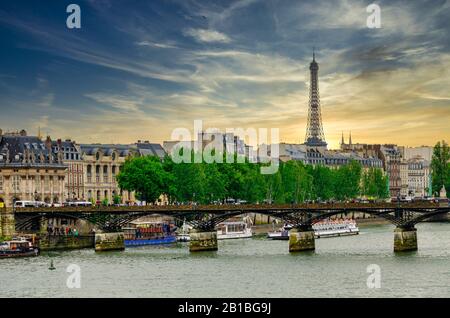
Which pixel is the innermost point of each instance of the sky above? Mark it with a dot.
(140, 69)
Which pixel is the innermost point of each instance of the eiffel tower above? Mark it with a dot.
(314, 131)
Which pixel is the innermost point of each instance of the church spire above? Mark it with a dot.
(350, 138)
(342, 139)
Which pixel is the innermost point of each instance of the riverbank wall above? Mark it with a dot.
(49, 242)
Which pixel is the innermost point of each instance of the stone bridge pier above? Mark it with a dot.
(202, 240)
(405, 239)
(112, 241)
(301, 239)
(7, 222)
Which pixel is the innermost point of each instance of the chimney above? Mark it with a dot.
(48, 143)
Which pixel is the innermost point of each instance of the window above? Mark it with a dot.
(46, 184)
(16, 183)
(1, 183)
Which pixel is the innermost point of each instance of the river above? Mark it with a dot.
(254, 267)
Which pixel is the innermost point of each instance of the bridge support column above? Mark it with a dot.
(1, 227)
(405, 239)
(8, 222)
(43, 225)
(109, 241)
(301, 240)
(202, 241)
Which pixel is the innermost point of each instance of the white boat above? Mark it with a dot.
(335, 228)
(225, 230)
(326, 228)
(233, 230)
(183, 233)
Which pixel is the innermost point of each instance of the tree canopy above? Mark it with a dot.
(204, 183)
(440, 167)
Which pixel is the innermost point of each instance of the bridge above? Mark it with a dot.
(204, 219)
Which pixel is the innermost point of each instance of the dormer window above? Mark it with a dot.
(113, 156)
(97, 156)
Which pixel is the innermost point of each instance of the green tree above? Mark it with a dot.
(374, 183)
(348, 180)
(323, 180)
(144, 175)
(117, 199)
(296, 182)
(440, 167)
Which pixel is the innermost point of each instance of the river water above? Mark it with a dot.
(254, 267)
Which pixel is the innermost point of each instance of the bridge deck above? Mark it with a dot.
(229, 208)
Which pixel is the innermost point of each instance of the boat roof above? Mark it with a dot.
(149, 222)
(233, 222)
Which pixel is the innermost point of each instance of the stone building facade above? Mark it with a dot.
(416, 178)
(74, 181)
(30, 170)
(101, 164)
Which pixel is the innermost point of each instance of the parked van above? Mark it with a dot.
(78, 203)
(29, 204)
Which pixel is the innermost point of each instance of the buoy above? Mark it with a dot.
(51, 266)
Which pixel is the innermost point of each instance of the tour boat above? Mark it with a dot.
(328, 228)
(18, 247)
(149, 233)
(183, 233)
(233, 230)
(225, 230)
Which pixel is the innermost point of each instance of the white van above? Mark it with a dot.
(28, 204)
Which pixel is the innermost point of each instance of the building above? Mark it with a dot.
(30, 170)
(102, 163)
(415, 176)
(71, 154)
(424, 152)
(146, 148)
(225, 142)
(391, 157)
(293, 152)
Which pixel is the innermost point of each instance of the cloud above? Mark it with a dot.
(156, 45)
(204, 35)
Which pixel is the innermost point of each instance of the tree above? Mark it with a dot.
(117, 199)
(348, 180)
(374, 184)
(296, 182)
(144, 175)
(440, 167)
(323, 181)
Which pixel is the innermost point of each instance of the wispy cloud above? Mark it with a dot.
(203, 35)
(156, 45)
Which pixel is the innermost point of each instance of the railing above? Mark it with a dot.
(219, 208)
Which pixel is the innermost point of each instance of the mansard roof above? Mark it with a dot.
(16, 150)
